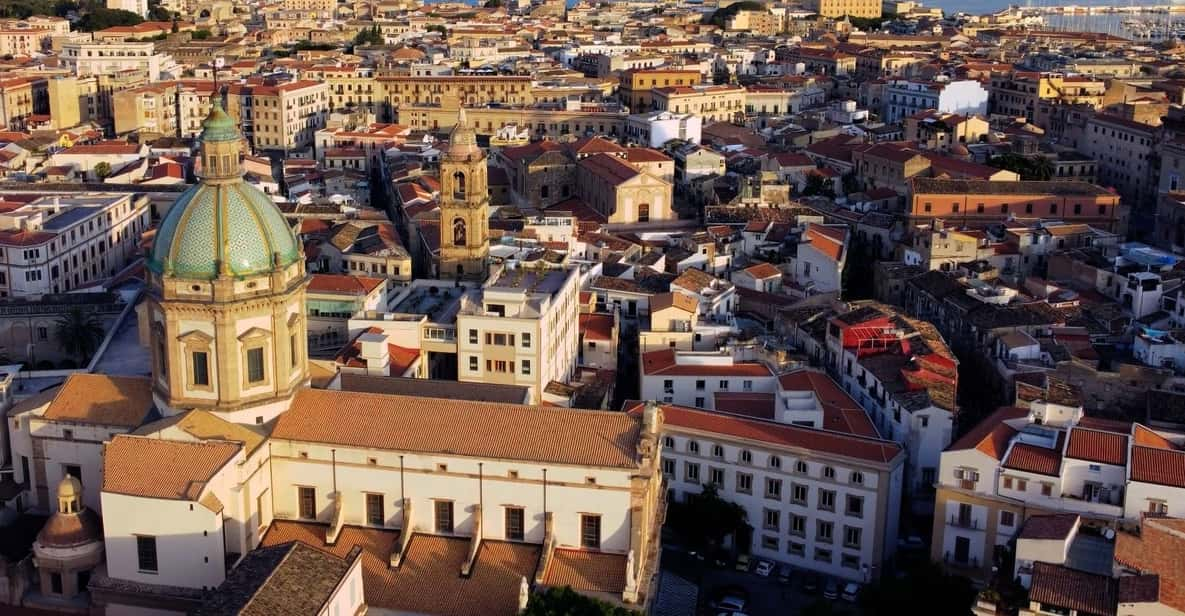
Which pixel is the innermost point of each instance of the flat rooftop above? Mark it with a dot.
(437, 302)
(530, 281)
(959, 187)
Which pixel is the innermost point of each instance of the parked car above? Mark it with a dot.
(763, 568)
(850, 592)
(743, 562)
(831, 589)
(810, 583)
(784, 572)
(729, 598)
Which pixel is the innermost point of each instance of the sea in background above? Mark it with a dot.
(1111, 23)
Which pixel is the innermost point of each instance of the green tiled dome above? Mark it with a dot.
(232, 223)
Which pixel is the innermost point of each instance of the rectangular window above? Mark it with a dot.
(514, 523)
(668, 466)
(73, 470)
(744, 483)
(849, 561)
(590, 531)
(526, 340)
(855, 506)
(374, 510)
(1007, 518)
(773, 488)
(201, 368)
(797, 525)
(826, 499)
(255, 372)
(146, 553)
(473, 336)
(526, 367)
(308, 503)
(769, 543)
(716, 476)
(798, 494)
(690, 472)
(822, 555)
(823, 530)
(444, 517)
(473, 365)
(773, 519)
(796, 549)
(851, 537)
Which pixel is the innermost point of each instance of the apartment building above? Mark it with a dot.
(699, 378)
(21, 97)
(1049, 458)
(977, 203)
(904, 98)
(850, 8)
(520, 328)
(62, 243)
(712, 103)
(637, 86)
(821, 499)
(544, 120)
(452, 91)
(350, 87)
(1126, 152)
(655, 129)
(84, 58)
(279, 116)
(170, 108)
(20, 41)
(1036, 96)
(904, 376)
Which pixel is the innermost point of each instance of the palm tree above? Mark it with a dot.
(79, 333)
(1041, 168)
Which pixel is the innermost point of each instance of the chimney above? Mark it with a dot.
(375, 352)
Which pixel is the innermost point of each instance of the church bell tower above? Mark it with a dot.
(464, 206)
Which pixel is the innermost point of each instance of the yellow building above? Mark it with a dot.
(19, 100)
(712, 103)
(450, 92)
(637, 86)
(851, 8)
(541, 121)
(279, 116)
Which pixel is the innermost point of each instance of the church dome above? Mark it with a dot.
(222, 225)
(462, 142)
(73, 524)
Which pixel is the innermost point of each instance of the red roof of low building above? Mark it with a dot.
(1034, 459)
(342, 283)
(1097, 446)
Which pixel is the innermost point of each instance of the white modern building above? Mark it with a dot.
(655, 129)
(84, 58)
(903, 98)
(59, 244)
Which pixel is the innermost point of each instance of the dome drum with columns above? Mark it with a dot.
(226, 307)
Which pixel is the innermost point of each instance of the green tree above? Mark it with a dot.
(200, 35)
(1041, 168)
(704, 520)
(79, 333)
(817, 185)
(369, 36)
(101, 18)
(567, 602)
(102, 170)
(437, 28)
(493, 4)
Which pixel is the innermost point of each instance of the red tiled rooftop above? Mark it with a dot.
(1034, 459)
(343, 283)
(1097, 446)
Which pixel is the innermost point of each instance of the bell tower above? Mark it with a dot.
(464, 206)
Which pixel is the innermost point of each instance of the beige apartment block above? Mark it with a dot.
(850, 8)
(712, 103)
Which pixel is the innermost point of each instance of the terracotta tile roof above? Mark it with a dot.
(1160, 466)
(596, 326)
(1058, 526)
(99, 399)
(827, 240)
(870, 449)
(763, 270)
(663, 362)
(205, 426)
(1097, 446)
(610, 169)
(991, 436)
(1034, 459)
(646, 155)
(291, 578)
(566, 436)
(1072, 589)
(1139, 589)
(748, 404)
(399, 359)
(840, 412)
(682, 301)
(342, 283)
(158, 468)
(428, 581)
(586, 570)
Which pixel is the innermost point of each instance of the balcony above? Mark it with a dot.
(962, 521)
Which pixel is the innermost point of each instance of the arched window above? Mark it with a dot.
(458, 185)
(857, 478)
(459, 232)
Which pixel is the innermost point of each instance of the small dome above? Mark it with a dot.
(69, 487)
(462, 142)
(219, 126)
(67, 530)
(234, 225)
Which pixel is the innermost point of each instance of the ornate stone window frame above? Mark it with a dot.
(256, 338)
(197, 341)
